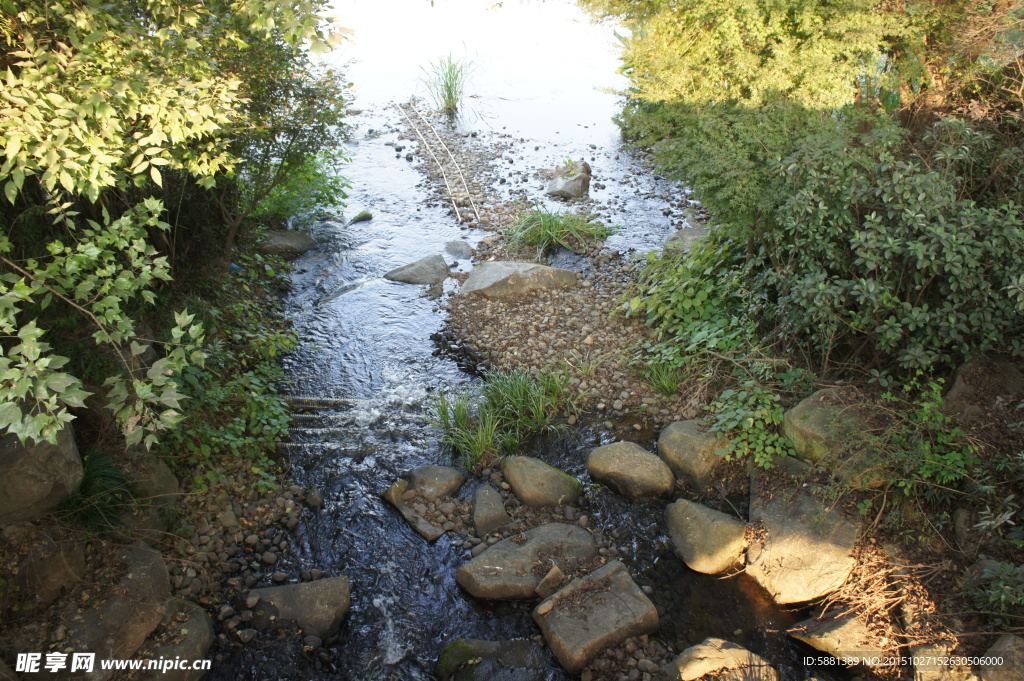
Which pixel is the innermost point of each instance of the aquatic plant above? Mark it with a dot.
(544, 229)
(446, 80)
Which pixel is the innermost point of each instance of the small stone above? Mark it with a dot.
(233, 622)
(279, 577)
(315, 500)
(246, 635)
(584, 521)
(448, 526)
(225, 612)
(647, 589)
(269, 557)
(312, 642)
(228, 519)
(545, 607)
(252, 540)
(252, 598)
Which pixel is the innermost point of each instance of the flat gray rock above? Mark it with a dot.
(489, 512)
(432, 482)
(630, 470)
(593, 613)
(1009, 650)
(805, 553)
(317, 607)
(570, 182)
(536, 483)
(690, 452)
(501, 279)
(429, 270)
(462, 250)
(707, 540)
(727, 661)
(508, 570)
(287, 243)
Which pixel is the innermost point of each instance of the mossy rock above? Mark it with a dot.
(468, 659)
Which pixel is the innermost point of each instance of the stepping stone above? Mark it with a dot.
(593, 613)
(514, 567)
(489, 512)
(630, 470)
(501, 279)
(430, 270)
(318, 607)
(424, 527)
(536, 483)
(707, 540)
(690, 452)
(432, 482)
(468, 659)
(727, 661)
(806, 550)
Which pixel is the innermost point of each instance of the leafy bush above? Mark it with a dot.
(928, 456)
(1002, 593)
(750, 415)
(544, 229)
(876, 253)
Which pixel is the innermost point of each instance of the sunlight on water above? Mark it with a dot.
(537, 66)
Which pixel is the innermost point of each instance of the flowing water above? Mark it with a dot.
(541, 79)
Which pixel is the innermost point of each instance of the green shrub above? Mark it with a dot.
(1002, 594)
(876, 253)
(545, 229)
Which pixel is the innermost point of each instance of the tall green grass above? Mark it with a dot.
(543, 229)
(446, 80)
(104, 494)
(510, 407)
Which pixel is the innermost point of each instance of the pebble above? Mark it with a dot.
(246, 635)
(584, 521)
(545, 607)
(312, 642)
(252, 540)
(478, 549)
(225, 612)
(269, 557)
(279, 577)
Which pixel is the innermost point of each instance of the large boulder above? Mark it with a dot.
(501, 279)
(432, 482)
(188, 636)
(630, 470)
(722, 660)
(430, 270)
(468, 659)
(48, 569)
(119, 621)
(1005, 660)
(489, 512)
(571, 181)
(317, 607)
(823, 429)
(979, 383)
(37, 478)
(593, 613)
(805, 553)
(707, 540)
(536, 483)
(287, 243)
(690, 452)
(514, 567)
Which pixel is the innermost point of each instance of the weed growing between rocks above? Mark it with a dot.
(511, 406)
(544, 229)
(103, 495)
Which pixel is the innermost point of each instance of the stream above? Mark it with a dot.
(542, 86)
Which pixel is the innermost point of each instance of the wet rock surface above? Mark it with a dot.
(514, 567)
(317, 607)
(478, 660)
(288, 243)
(593, 613)
(489, 512)
(429, 270)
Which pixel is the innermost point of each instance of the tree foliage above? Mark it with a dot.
(99, 104)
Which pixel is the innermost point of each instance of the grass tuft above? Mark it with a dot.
(544, 229)
(446, 82)
(103, 495)
(511, 406)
